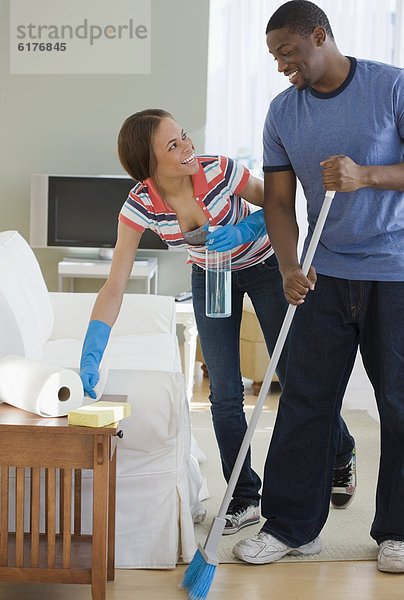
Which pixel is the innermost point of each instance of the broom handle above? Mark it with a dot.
(329, 195)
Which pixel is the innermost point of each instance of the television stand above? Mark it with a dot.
(72, 268)
(106, 253)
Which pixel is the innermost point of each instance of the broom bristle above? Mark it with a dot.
(198, 577)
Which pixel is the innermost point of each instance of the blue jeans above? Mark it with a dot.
(220, 343)
(337, 318)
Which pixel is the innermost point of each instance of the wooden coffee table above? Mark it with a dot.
(60, 553)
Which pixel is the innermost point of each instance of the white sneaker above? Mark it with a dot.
(264, 548)
(391, 556)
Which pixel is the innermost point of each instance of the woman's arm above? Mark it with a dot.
(228, 237)
(109, 299)
(249, 229)
(107, 307)
(253, 191)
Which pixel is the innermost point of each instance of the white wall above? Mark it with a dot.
(69, 123)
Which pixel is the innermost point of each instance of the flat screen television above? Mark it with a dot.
(81, 211)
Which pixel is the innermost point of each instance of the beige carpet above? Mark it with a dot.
(346, 533)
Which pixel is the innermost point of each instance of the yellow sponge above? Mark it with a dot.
(99, 414)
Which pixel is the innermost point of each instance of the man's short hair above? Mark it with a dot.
(300, 17)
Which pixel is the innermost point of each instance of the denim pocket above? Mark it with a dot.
(269, 264)
(197, 269)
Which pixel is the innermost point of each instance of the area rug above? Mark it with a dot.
(346, 533)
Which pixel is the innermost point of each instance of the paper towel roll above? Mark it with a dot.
(39, 387)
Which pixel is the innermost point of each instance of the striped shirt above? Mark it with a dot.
(216, 187)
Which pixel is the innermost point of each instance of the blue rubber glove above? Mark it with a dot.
(229, 236)
(94, 344)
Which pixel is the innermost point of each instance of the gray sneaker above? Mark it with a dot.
(265, 548)
(391, 556)
(241, 513)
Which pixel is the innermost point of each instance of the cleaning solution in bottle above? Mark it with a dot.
(218, 282)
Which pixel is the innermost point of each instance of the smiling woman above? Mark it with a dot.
(174, 152)
(177, 195)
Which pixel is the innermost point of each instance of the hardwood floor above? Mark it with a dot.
(281, 581)
(294, 581)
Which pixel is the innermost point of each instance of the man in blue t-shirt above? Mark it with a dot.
(340, 126)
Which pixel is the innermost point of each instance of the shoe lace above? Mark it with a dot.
(343, 476)
(395, 544)
(237, 507)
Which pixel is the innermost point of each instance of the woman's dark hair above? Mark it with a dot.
(135, 139)
(301, 17)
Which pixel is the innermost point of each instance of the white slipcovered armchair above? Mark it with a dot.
(158, 481)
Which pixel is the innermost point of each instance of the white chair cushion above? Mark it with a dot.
(140, 313)
(144, 351)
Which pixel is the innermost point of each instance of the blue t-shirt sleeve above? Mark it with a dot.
(275, 155)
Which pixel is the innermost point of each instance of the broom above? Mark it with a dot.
(199, 575)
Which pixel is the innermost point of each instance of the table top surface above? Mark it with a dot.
(85, 267)
(11, 417)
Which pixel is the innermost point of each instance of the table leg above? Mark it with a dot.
(111, 519)
(4, 517)
(100, 518)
